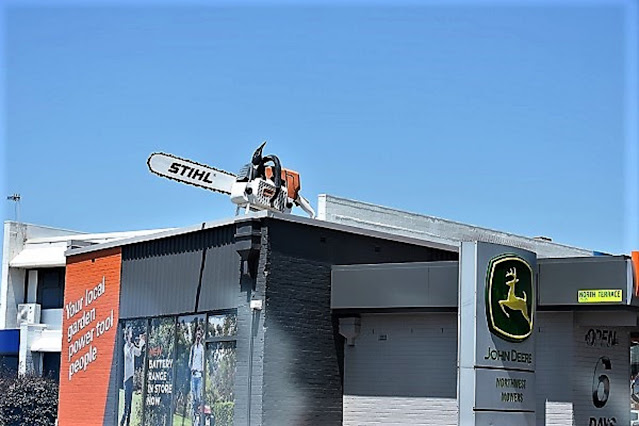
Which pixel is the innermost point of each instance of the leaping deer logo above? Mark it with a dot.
(512, 301)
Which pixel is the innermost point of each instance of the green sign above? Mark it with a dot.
(510, 298)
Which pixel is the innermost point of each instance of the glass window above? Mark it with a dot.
(222, 325)
(8, 366)
(131, 387)
(51, 365)
(50, 293)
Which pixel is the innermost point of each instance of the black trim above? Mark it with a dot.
(421, 310)
(453, 309)
(26, 284)
(589, 307)
(506, 369)
(199, 282)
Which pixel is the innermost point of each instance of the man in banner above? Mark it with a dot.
(131, 350)
(196, 365)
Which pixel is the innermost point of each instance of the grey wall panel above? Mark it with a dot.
(402, 370)
(340, 248)
(161, 277)
(303, 351)
(399, 285)
(221, 274)
(586, 370)
(250, 345)
(555, 355)
(434, 284)
(561, 279)
(160, 285)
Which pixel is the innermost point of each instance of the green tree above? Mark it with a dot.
(28, 400)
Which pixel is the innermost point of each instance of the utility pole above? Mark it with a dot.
(16, 208)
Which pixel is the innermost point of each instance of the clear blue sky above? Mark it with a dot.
(509, 115)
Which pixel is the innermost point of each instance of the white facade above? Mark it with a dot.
(27, 251)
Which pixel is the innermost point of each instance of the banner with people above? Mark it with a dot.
(189, 369)
(178, 371)
(133, 356)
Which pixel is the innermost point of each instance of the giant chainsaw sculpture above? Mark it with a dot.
(261, 184)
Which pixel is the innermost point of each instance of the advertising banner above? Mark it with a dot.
(133, 358)
(89, 324)
(159, 372)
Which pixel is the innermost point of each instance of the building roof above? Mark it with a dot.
(44, 247)
(262, 215)
(433, 229)
(372, 220)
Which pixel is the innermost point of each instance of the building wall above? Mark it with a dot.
(12, 280)
(591, 347)
(554, 378)
(83, 393)
(568, 353)
(192, 272)
(303, 351)
(402, 370)
(250, 339)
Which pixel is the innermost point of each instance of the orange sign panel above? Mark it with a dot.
(89, 324)
(635, 262)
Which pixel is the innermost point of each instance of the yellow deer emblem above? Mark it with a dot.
(512, 301)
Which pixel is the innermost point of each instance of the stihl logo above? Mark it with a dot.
(190, 172)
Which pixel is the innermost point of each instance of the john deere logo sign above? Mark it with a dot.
(510, 297)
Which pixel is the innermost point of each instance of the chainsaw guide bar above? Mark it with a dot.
(190, 172)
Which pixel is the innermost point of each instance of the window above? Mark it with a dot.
(8, 366)
(51, 365)
(50, 294)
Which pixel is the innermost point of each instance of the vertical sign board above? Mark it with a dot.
(497, 303)
(601, 374)
(89, 323)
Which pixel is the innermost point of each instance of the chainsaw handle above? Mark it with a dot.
(277, 173)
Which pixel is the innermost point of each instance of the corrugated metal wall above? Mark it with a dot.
(221, 274)
(161, 277)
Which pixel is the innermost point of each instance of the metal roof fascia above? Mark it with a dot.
(262, 215)
(363, 231)
(163, 234)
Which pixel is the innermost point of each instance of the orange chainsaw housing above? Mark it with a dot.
(290, 178)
